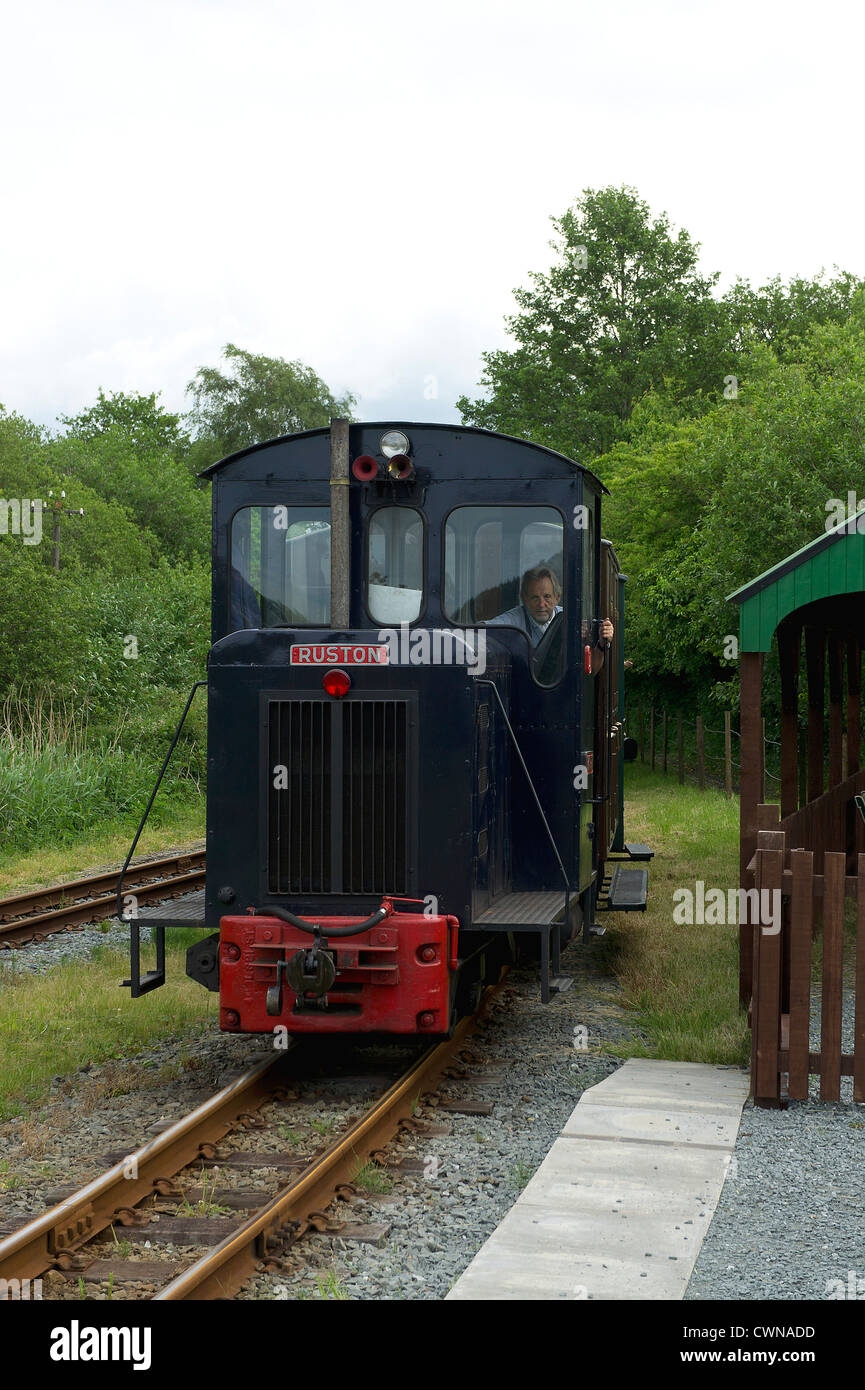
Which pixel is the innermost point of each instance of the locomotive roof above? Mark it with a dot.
(412, 426)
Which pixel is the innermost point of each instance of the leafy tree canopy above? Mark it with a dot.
(701, 507)
(139, 502)
(40, 642)
(623, 311)
(259, 398)
(160, 498)
(130, 415)
(782, 315)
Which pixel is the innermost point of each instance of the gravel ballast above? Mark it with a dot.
(790, 1223)
(76, 944)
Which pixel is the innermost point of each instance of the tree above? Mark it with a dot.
(624, 311)
(158, 495)
(702, 507)
(146, 425)
(107, 538)
(40, 642)
(783, 315)
(262, 398)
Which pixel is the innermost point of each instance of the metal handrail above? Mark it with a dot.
(479, 680)
(132, 848)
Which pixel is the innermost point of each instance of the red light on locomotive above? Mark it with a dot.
(337, 684)
(365, 468)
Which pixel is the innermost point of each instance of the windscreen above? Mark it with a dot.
(490, 552)
(280, 567)
(395, 565)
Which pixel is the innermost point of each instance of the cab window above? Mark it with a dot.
(280, 567)
(395, 565)
(488, 550)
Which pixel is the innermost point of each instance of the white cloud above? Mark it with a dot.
(362, 186)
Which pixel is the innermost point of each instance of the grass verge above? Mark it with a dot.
(181, 824)
(54, 1024)
(682, 981)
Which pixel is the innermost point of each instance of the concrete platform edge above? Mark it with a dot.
(621, 1205)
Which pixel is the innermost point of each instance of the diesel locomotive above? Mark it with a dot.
(410, 781)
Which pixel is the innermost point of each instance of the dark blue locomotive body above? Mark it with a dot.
(407, 776)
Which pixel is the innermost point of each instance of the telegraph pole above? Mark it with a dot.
(59, 510)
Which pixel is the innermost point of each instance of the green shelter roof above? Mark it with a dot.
(832, 564)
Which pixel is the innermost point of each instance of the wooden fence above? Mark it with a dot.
(782, 984)
(662, 744)
(662, 736)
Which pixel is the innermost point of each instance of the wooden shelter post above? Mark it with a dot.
(789, 645)
(854, 694)
(854, 732)
(836, 715)
(815, 660)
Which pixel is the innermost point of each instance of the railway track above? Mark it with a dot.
(68, 906)
(153, 1177)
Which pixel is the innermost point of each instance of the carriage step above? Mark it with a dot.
(628, 891)
(640, 851)
(524, 911)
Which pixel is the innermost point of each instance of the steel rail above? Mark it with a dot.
(35, 1247)
(99, 892)
(226, 1268)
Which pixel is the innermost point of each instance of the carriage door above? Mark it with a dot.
(588, 753)
(609, 739)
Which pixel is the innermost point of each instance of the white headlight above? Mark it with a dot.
(394, 442)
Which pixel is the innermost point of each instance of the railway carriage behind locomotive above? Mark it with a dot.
(400, 796)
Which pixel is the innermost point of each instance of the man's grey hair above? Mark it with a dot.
(541, 572)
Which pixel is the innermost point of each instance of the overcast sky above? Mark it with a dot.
(360, 184)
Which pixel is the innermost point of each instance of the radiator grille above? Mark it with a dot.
(300, 796)
(374, 809)
(338, 817)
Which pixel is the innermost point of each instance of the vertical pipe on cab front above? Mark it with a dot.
(340, 572)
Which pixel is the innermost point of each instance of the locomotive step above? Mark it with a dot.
(523, 910)
(187, 911)
(628, 890)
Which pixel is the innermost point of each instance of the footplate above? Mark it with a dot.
(628, 890)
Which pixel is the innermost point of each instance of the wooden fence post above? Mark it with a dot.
(652, 738)
(859, 1019)
(680, 749)
(801, 931)
(833, 937)
(642, 736)
(701, 771)
(767, 956)
(664, 741)
(728, 755)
